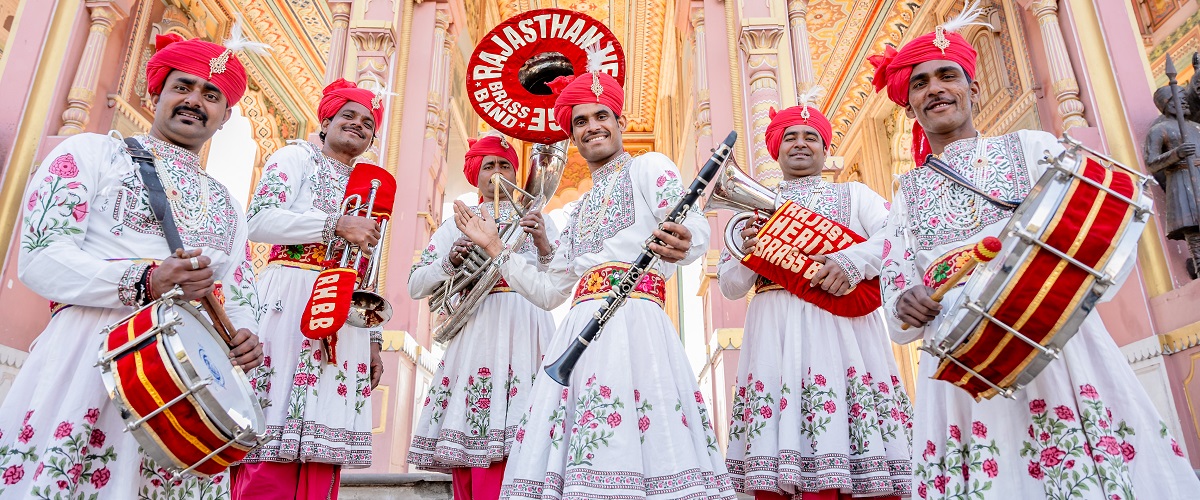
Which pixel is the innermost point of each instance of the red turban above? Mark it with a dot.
(488, 145)
(893, 69)
(596, 87)
(340, 92)
(795, 116)
(196, 57)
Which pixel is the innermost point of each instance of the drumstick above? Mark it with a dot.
(984, 251)
(221, 321)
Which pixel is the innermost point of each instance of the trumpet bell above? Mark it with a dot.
(368, 309)
(736, 190)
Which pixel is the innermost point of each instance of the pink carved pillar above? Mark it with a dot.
(375, 48)
(103, 14)
(1065, 87)
(801, 55)
(760, 44)
(335, 66)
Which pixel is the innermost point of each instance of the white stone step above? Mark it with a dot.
(418, 486)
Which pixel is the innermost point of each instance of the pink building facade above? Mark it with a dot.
(1084, 66)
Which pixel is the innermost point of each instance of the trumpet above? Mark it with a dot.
(736, 190)
(368, 309)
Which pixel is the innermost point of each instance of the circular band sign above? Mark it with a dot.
(507, 73)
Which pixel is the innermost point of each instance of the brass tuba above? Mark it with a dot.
(458, 297)
(736, 190)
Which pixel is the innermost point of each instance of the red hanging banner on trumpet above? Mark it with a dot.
(785, 243)
(329, 303)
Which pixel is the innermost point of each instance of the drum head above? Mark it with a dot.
(199, 353)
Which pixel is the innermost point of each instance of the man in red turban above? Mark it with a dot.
(637, 359)
(505, 330)
(940, 54)
(296, 209)
(963, 191)
(478, 151)
(194, 85)
(91, 185)
(783, 349)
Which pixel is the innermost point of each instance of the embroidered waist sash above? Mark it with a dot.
(309, 256)
(598, 281)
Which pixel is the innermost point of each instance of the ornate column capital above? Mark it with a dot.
(1042, 9)
(760, 39)
(797, 9)
(340, 10)
(104, 13)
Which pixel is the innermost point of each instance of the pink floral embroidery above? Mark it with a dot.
(64, 166)
(63, 430)
(13, 474)
(80, 211)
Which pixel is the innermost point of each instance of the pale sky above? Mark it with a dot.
(231, 156)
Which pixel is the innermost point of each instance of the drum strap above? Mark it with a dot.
(941, 167)
(154, 188)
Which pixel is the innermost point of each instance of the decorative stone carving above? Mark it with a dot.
(103, 14)
(1064, 85)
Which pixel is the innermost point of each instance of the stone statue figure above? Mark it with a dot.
(1166, 159)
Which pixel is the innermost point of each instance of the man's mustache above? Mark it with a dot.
(195, 111)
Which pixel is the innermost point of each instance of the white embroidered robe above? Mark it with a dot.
(86, 235)
(632, 423)
(1084, 428)
(481, 388)
(318, 411)
(819, 404)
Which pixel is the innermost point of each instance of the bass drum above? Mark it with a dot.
(1070, 243)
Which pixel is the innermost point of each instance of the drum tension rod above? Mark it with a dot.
(1008, 393)
(214, 453)
(191, 390)
(1103, 278)
(128, 346)
(974, 306)
(1139, 210)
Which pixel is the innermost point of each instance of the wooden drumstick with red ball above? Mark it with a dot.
(984, 251)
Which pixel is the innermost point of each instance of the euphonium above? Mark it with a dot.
(459, 296)
(735, 190)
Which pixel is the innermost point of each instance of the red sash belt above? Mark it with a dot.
(791, 235)
(598, 281)
(501, 287)
(765, 285)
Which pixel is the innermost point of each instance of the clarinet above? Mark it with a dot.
(561, 369)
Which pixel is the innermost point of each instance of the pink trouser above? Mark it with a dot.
(477, 483)
(820, 495)
(284, 481)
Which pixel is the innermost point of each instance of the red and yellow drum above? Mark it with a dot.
(1068, 244)
(169, 373)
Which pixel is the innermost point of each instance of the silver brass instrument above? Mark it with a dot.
(736, 190)
(368, 309)
(458, 297)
